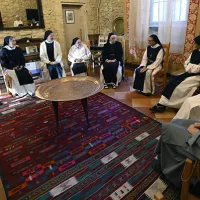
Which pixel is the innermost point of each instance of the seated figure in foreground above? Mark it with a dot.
(182, 86)
(143, 78)
(180, 140)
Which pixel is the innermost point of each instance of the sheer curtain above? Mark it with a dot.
(139, 18)
(172, 18)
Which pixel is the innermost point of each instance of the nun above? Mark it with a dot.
(182, 86)
(51, 57)
(180, 139)
(143, 78)
(13, 62)
(79, 55)
(112, 56)
(190, 109)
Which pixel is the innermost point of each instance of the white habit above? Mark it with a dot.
(190, 109)
(45, 59)
(76, 52)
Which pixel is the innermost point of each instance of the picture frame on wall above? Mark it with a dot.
(70, 18)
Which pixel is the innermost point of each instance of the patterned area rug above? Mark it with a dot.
(109, 160)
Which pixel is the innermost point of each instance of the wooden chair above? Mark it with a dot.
(122, 40)
(7, 80)
(191, 170)
(161, 76)
(87, 43)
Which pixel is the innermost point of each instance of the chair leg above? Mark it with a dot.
(186, 183)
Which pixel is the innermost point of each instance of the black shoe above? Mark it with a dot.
(146, 94)
(1, 103)
(158, 108)
(105, 86)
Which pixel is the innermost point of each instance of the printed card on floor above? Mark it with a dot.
(63, 187)
(109, 157)
(142, 136)
(121, 192)
(129, 161)
(157, 186)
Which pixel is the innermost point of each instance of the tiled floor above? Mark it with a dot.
(126, 94)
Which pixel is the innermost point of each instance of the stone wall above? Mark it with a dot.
(10, 8)
(108, 12)
(53, 19)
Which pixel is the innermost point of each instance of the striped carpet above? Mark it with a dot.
(109, 160)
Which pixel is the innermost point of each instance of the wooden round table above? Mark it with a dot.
(69, 89)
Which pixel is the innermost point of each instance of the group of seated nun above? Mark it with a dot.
(180, 139)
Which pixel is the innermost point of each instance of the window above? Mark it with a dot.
(159, 9)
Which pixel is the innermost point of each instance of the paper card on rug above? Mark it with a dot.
(142, 136)
(109, 157)
(63, 187)
(129, 161)
(8, 111)
(157, 186)
(121, 192)
(158, 138)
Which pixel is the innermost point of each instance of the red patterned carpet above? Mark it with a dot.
(109, 160)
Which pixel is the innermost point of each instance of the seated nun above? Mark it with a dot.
(51, 57)
(190, 109)
(180, 140)
(182, 86)
(143, 78)
(13, 62)
(112, 55)
(78, 55)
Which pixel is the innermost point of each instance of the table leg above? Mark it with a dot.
(55, 107)
(85, 107)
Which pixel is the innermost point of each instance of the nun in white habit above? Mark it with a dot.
(182, 86)
(143, 78)
(190, 109)
(78, 55)
(51, 57)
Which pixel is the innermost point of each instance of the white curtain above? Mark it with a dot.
(172, 16)
(139, 17)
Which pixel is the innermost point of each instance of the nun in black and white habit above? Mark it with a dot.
(51, 57)
(143, 78)
(112, 55)
(13, 62)
(182, 86)
(79, 55)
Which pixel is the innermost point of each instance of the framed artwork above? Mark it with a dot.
(70, 18)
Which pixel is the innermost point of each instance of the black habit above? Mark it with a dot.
(111, 52)
(170, 87)
(15, 58)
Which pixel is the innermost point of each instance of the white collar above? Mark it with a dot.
(155, 46)
(9, 48)
(49, 42)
